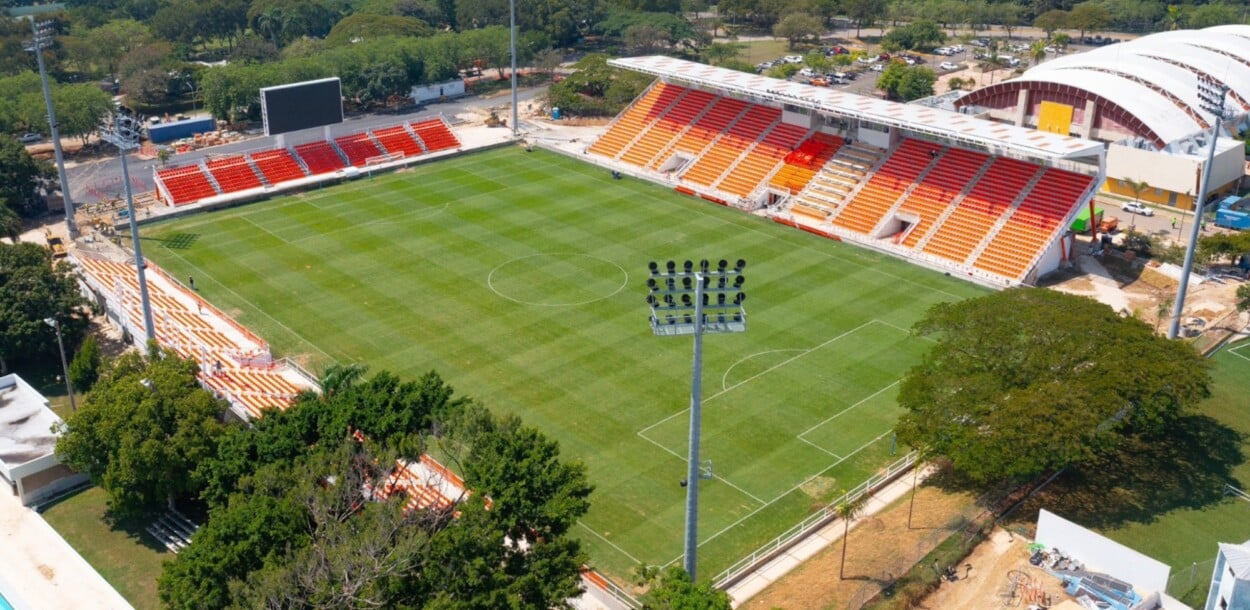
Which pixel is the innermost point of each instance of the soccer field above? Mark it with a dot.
(520, 278)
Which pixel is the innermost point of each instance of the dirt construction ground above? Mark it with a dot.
(881, 549)
(985, 578)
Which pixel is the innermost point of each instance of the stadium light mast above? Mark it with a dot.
(125, 136)
(1211, 95)
(682, 303)
(512, 42)
(42, 40)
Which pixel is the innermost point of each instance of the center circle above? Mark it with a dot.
(557, 279)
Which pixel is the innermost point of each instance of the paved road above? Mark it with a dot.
(83, 177)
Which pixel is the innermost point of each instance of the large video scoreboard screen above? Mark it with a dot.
(314, 103)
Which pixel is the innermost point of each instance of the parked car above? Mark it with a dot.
(1135, 207)
(807, 72)
(949, 65)
(1011, 61)
(942, 51)
(29, 138)
(878, 68)
(957, 48)
(866, 60)
(793, 59)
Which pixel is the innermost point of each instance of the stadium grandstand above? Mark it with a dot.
(956, 193)
(235, 364)
(1140, 96)
(246, 176)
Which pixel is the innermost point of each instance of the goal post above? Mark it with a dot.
(377, 160)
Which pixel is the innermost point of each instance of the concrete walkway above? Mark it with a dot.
(774, 570)
(40, 571)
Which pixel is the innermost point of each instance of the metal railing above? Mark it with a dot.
(1229, 490)
(813, 522)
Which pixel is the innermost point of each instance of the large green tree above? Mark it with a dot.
(676, 591)
(32, 289)
(142, 430)
(80, 109)
(20, 174)
(1026, 381)
(1088, 17)
(920, 35)
(288, 517)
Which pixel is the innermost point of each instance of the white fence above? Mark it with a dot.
(813, 522)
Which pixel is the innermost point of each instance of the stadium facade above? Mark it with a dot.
(1141, 98)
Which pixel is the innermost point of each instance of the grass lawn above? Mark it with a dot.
(1188, 536)
(520, 278)
(126, 556)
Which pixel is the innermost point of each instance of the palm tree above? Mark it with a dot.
(339, 377)
(1037, 52)
(847, 509)
(1138, 187)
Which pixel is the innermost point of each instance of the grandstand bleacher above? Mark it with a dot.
(398, 139)
(320, 157)
(358, 148)
(277, 166)
(923, 183)
(435, 135)
(234, 363)
(186, 184)
(233, 174)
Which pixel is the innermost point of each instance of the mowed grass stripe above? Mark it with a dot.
(393, 270)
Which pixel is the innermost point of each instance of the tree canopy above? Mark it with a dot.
(287, 518)
(32, 289)
(1025, 381)
(903, 82)
(141, 431)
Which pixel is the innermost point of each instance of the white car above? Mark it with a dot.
(30, 138)
(948, 65)
(807, 72)
(793, 59)
(1135, 207)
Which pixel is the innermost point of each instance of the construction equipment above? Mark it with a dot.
(55, 244)
(494, 121)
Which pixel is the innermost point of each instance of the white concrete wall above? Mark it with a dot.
(880, 139)
(1100, 554)
(1168, 172)
(1175, 173)
(433, 91)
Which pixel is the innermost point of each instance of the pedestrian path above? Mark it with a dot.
(752, 584)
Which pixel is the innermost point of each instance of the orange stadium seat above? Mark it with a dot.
(320, 157)
(186, 184)
(233, 174)
(277, 165)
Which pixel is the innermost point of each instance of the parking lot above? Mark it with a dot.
(968, 61)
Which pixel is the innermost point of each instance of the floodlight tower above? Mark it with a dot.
(512, 42)
(682, 303)
(1211, 94)
(124, 134)
(41, 41)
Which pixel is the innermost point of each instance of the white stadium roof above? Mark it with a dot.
(998, 138)
(1155, 78)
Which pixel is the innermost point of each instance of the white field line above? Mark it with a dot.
(724, 379)
(255, 307)
(839, 413)
(780, 496)
(609, 542)
(715, 476)
(819, 448)
(760, 374)
(1234, 352)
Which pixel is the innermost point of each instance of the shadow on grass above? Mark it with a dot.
(132, 527)
(1146, 477)
(177, 241)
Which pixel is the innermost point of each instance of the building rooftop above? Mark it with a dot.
(25, 424)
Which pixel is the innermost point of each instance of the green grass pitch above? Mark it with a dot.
(520, 278)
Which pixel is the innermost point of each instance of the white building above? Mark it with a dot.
(28, 462)
(1230, 583)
